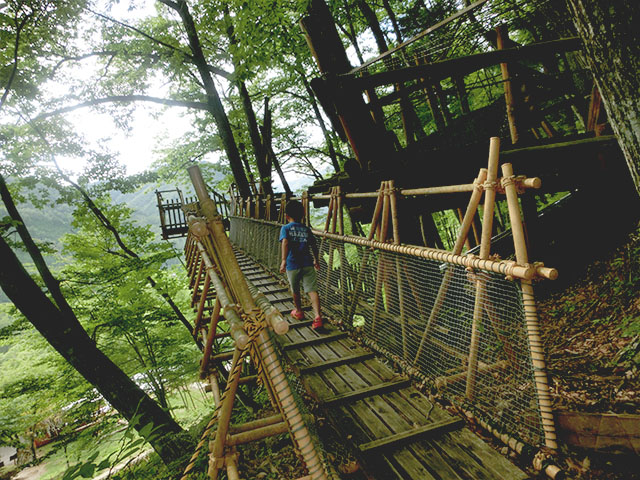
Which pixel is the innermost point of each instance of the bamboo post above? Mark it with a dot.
(467, 222)
(196, 284)
(531, 315)
(393, 204)
(485, 247)
(232, 467)
(381, 270)
(213, 326)
(289, 409)
(502, 37)
(222, 247)
(224, 413)
(305, 205)
(365, 257)
(331, 225)
(343, 256)
(203, 299)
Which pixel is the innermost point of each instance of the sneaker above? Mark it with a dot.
(297, 314)
(317, 323)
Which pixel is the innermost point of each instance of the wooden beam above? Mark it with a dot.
(332, 337)
(365, 392)
(456, 67)
(431, 429)
(336, 362)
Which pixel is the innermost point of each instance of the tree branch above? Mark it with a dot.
(14, 70)
(125, 99)
(186, 56)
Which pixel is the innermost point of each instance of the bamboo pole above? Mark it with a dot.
(203, 299)
(222, 247)
(289, 409)
(224, 413)
(343, 256)
(504, 267)
(215, 317)
(531, 315)
(465, 226)
(235, 322)
(257, 434)
(501, 38)
(252, 425)
(381, 268)
(366, 254)
(443, 382)
(274, 318)
(485, 247)
(393, 204)
(232, 468)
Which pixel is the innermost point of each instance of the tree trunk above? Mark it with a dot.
(320, 120)
(609, 32)
(66, 335)
(252, 124)
(213, 98)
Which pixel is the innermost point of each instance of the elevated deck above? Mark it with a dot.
(397, 432)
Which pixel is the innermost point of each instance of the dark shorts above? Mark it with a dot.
(305, 276)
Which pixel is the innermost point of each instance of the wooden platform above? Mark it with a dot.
(397, 432)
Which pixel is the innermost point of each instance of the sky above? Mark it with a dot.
(152, 127)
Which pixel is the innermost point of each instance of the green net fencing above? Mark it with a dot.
(419, 313)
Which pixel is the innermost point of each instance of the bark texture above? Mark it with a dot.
(611, 42)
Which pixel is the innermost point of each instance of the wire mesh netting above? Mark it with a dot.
(454, 33)
(423, 314)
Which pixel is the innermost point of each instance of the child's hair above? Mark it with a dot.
(294, 210)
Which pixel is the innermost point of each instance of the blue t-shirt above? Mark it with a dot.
(300, 241)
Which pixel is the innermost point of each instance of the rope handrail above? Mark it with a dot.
(505, 267)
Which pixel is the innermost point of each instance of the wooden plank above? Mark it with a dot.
(401, 464)
(411, 435)
(464, 65)
(281, 300)
(315, 341)
(603, 432)
(287, 311)
(264, 277)
(358, 357)
(374, 371)
(277, 290)
(471, 455)
(300, 323)
(365, 392)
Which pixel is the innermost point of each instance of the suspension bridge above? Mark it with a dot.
(404, 321)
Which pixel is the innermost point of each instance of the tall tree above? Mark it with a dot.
(213, 98)
(64, 332)
(611, 42)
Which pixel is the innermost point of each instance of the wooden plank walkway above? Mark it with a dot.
(397, 432)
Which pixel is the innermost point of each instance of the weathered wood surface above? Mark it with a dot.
(395, 430)
(613, 433)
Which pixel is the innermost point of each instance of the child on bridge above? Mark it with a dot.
(300, 261)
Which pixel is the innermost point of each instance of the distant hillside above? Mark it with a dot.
(49, 225)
